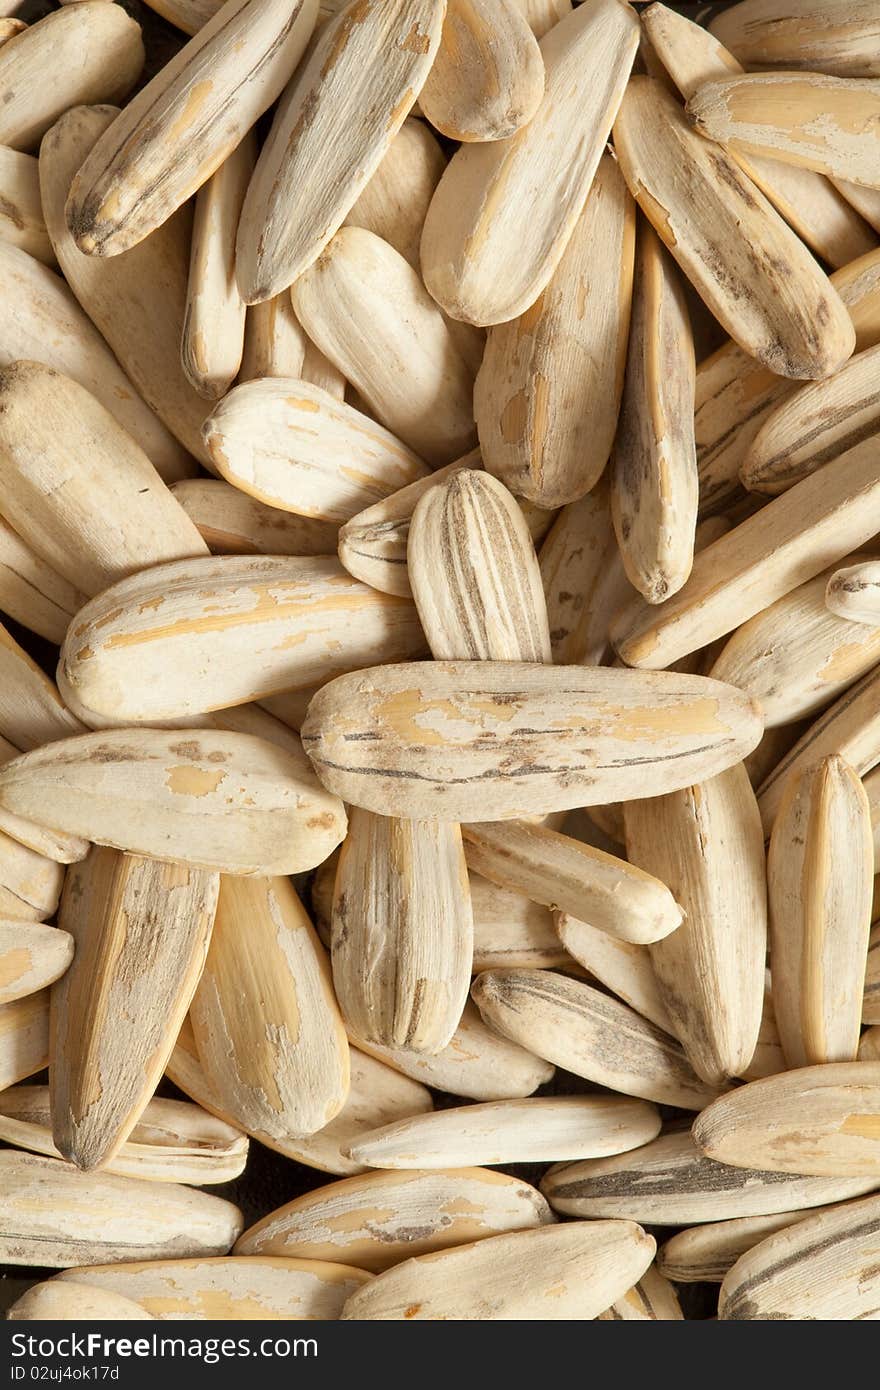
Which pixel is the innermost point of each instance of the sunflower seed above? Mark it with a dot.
(281, 1070)
(809, 119)
(824, 1268)
(395, 201)
(712, 218)
(825, 35)
(40, 321)
(141, 931)
(214, 800)
(379, 1219)
(854, 593)
(511, 1131)
(213, 328)
(235, 1289)
(654, 481)
(181, 126)
(707, 843)
(231, 523)
(669, 1182)
(457, 740)
(24, 1037)
(823, 1121)
(548, 1275)
(808, 202)
(402, 931)
(704, 1254)
(487, 78)
(31, 957)
(90, 52)
(589, 1034)
(172, 1141)
(56, 1217)
(548, 390)
(504, 211)
(793, 538)
(293, 446)
(332, 128)
(406, 366)
(197, 635)
(652, 1299)
(69, 1302)
(574, 878)
(21, 213)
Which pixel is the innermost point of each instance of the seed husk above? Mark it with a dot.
(735, 394)
(332, 129)
(796, 655)
(565, 874)
(820, 874)
(64, 849)
(377, 1095)
(790, 540)
(31, 592)
(213, 327)
(510, 929)
(31, 957)
(172, 1141)
(487, 78)
(69, 1302)
(215, 800)
(824, 1268)
(21, 214)
(837, 36)
(241, 1290)
(138, 302)
(624, 968)
(815, 424)
(188, 15)
(405, 365)
(654, 481)
(850, 727)
(548, 390)
(669, 1182)
(548, 1275)
(707, 843)
(584, 579)
(811, 119)
(231, 523)
(141, 931)
(295, 447)
(30, 883)
(478, 1064)
(31, 710)
(809, 203)
(712, 218)
(192, 636)
(704, 1254)
(56, 1217)
(136, 176)
(77, 488)
(42, 322)
(381, 1218)
(281, 1070)
(589, 1034)
(853, 593)
(89, 52)
(402, 931)
(540, 1130)
(818, 1120)
(614, 734)
(395, 201)
(504, 211)
(652, 1299)
(474, 573)
(24, 1037)
(275, 341)
(373, 544)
